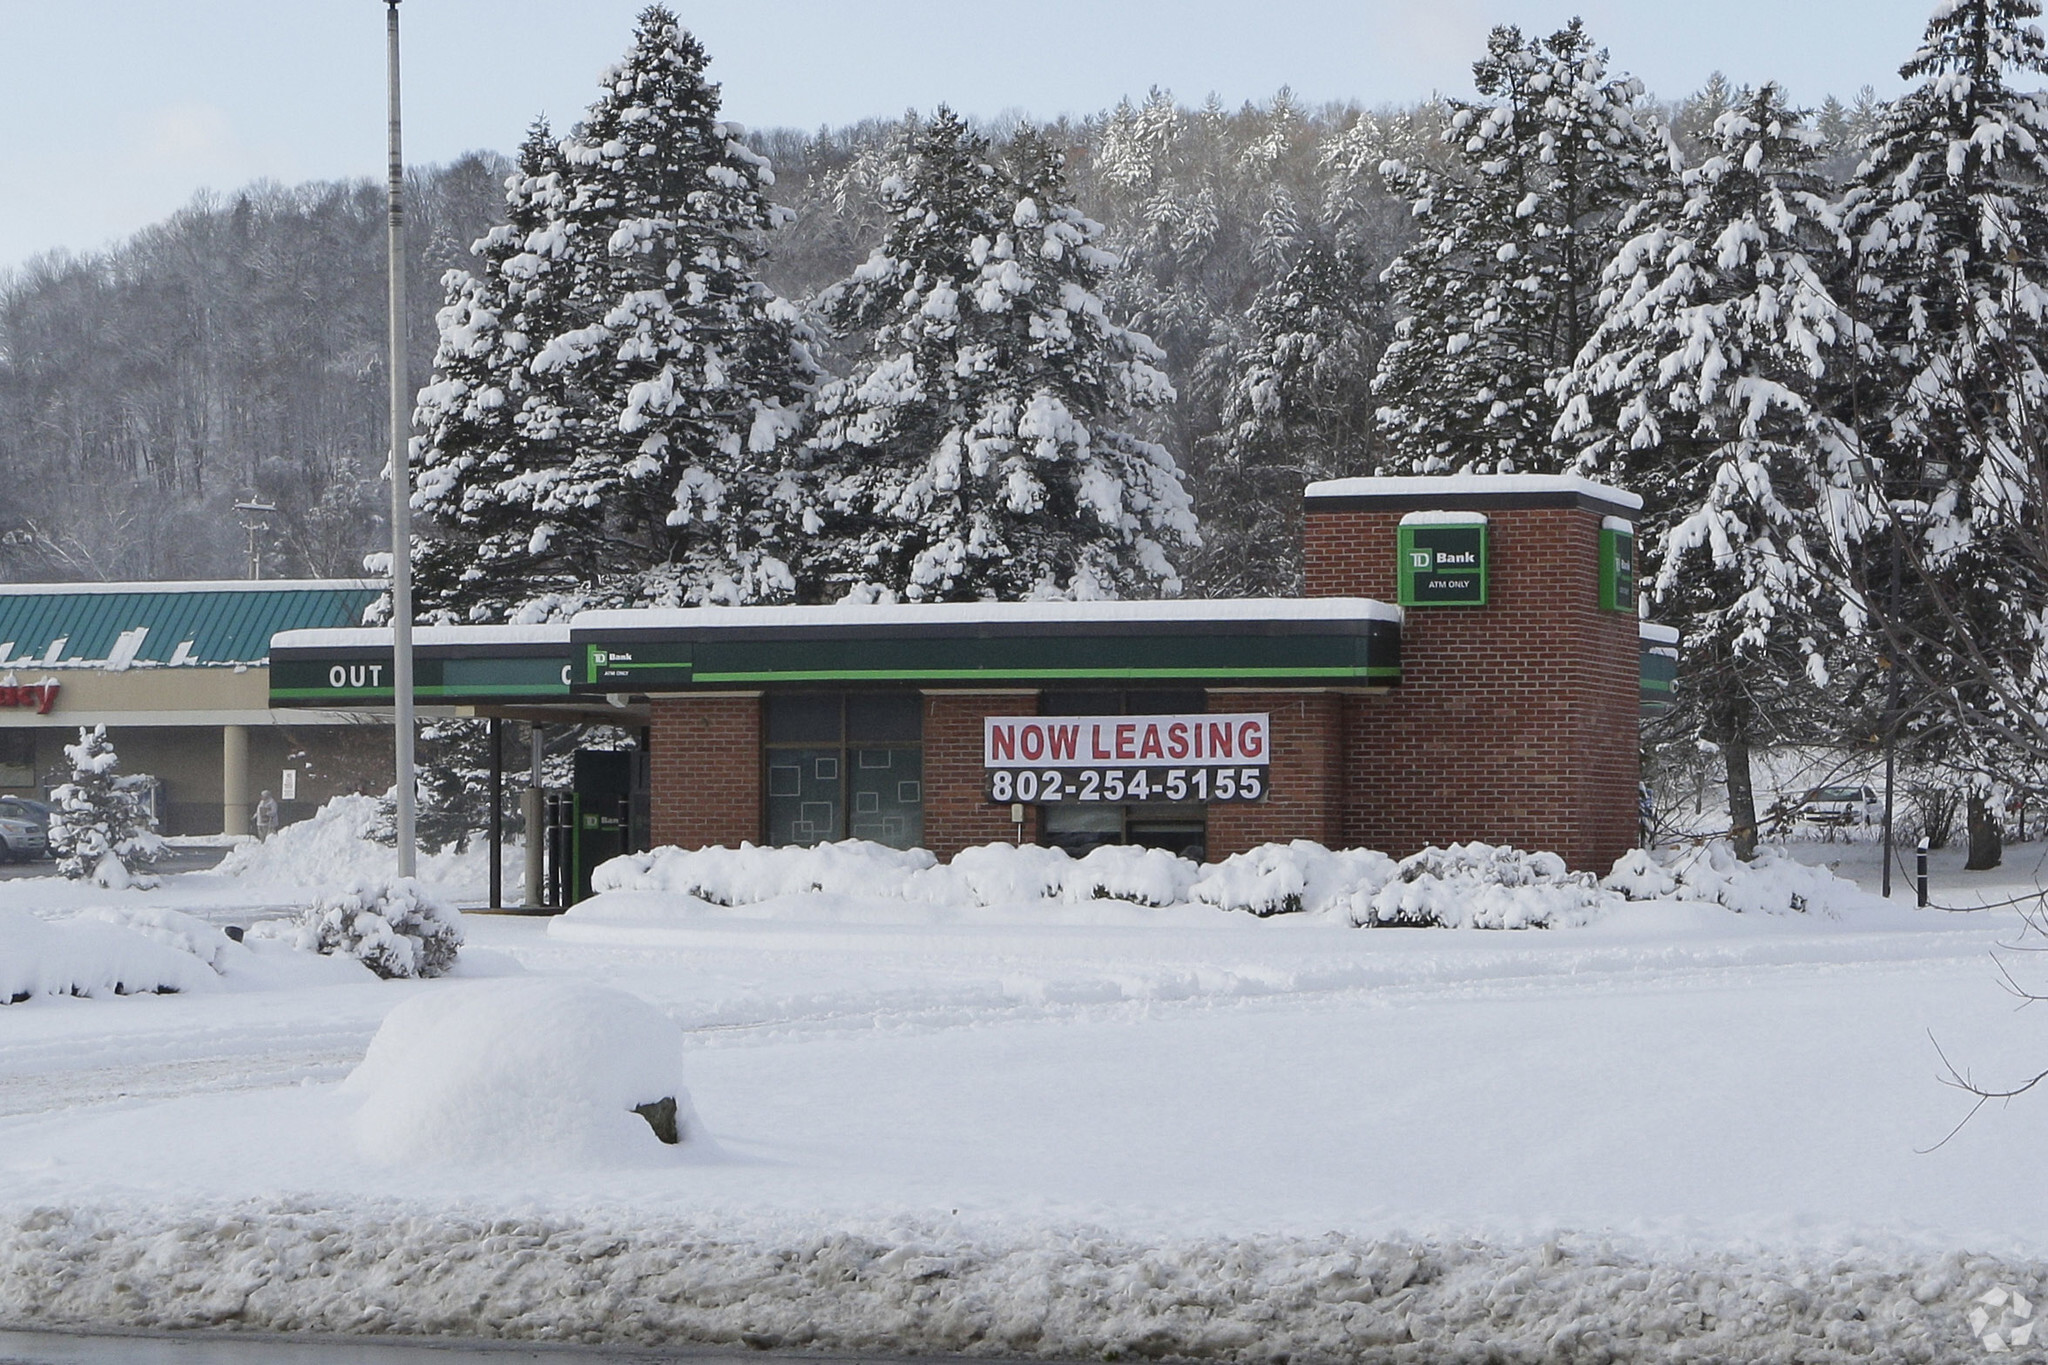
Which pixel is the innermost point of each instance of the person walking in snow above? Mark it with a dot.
(266, 817)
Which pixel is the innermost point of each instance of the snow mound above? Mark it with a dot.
(172, 928)
(1285, 879)
(1484, 886)
(1774, 884)
(1465, 886)
(91, 957)
(520, 1073)
(396, 928)
(338, 844)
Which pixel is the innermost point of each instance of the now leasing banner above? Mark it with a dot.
(1126, 760)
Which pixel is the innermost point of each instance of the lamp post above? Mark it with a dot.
(252, 512)
(1867, 477)
(401, 480)
(1930, 477)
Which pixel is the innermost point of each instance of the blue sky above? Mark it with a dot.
(117, 111)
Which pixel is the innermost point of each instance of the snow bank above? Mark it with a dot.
(913, 1287)
(172, 928)
(521, 1073)
(93, 957)
(991, 874)
(1776, 883)
(151, 949)
(744, 875)
(338, 845)
(1466, 886)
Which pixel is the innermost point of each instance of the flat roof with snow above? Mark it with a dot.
(452, 665)
(1469, 492)
(1328, 641)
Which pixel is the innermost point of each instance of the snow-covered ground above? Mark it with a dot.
(1085, 1127)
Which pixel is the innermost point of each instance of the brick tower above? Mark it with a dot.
(1515, 721)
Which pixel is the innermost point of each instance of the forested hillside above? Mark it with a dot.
(238, 347)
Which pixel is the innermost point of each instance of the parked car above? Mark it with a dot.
(1842, 806)
(24, 829)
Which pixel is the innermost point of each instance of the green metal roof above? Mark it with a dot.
(196, 623)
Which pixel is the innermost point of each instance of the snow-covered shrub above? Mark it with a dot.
(744, 875)
(90, 957)
(1286, 879)
(1639, 876)
(99, 826)
(999, 874)
(397, 928)
(1147, 876)
(522, 1072)
(1775, 883)
(990, 874)
(1483, 886)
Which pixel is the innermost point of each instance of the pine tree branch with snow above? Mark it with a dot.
(978, 452)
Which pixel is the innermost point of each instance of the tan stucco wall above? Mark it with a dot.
(167, 722)
(150, 696)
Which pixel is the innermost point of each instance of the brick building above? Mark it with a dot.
(1467, 664)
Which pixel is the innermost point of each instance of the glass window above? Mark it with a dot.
(1180, 701)
(884, 716)
(1060, 702)
(804, 717)
(887, 790)
(1079, 828)
(845, 765)
(1181, 829)
(804, 800)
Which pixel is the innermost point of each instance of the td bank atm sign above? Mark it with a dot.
(1443, 560)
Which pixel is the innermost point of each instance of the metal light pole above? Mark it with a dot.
(401, 480)
(1891, 715)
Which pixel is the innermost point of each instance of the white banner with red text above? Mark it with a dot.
(1127, 759)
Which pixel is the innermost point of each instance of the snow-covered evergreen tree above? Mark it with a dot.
(492, 452)
(657, 382)
(99, 827)
(1948, 222)
(1712, 355)
(1299, 409)
(979, 452)
(1499, 291)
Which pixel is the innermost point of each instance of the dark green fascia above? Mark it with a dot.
(1355, 658)
(469, 678)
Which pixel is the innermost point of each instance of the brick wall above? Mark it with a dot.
(956, 813)
(706, 770)
(1514, 722)
(1308, 791)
